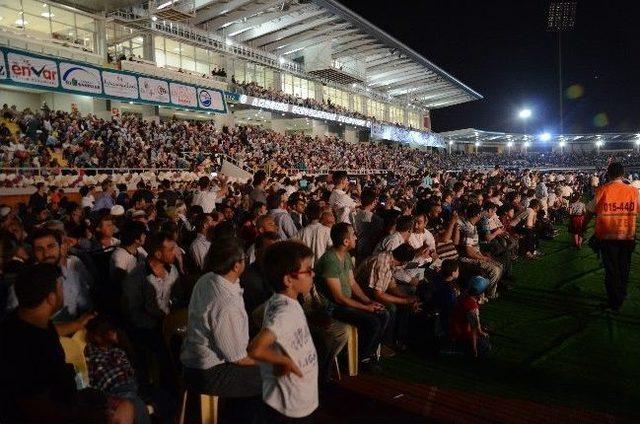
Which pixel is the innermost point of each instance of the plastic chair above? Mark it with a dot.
(74, 354)
(352, 350)
(173, 327)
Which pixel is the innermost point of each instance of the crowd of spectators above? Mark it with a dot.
(259, 279)
(55, 139)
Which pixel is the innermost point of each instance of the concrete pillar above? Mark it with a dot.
(102, 108)
(100, 40)
(278, 125)
(148, 47)
(319, 91)
(277, 80)
(351, 134)
(318, 128)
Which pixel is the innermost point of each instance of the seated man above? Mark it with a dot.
(473, 261)
(214, 353)
(346, 300)
(36, 385)
(376, 276)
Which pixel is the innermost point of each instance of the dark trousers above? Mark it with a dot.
(616, 258)
(271, 416)
(371, 327)
(239, 387)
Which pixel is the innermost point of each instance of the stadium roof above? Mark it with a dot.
(471, 135)
(287, 27)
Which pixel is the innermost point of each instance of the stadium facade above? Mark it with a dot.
(175, 51)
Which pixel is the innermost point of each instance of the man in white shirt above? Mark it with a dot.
(130, 253)
(285, 225)
(421, 239)
(76, 279)
(214, 352)
(341, 203)
(206, 196)
(200, 246)
(317, 235)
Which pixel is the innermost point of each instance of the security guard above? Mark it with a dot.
(615, 207)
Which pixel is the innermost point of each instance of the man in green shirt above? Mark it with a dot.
(346, 300)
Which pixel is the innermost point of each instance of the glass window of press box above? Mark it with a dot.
(414, 119)
(337, 97)
(44, 21)
(298, 87)
(375, 109)
(396, 114)
(172, 54)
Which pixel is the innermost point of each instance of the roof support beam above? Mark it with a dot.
(296, 29)
(279, 23)
(357, 51)
(237, 15)
(214, 10)
(313, 40)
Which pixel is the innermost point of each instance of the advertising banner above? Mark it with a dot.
(33, 70)
(120, 85)
(183, 95)
(20, 68)
(80, 78)
(154, 90)
(3, 67)
(210, 99)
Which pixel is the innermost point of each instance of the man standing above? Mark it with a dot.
(615, 206)
(341, 203)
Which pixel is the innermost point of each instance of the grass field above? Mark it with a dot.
(551, 341)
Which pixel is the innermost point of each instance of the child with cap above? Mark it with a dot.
(465, 327)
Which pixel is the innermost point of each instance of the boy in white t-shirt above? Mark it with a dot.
(284, 347)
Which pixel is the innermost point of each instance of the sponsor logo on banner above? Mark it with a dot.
(154, 90)
(120, 85)
(80, 78)
(33, 70)
(3, 69)
(210, 99)
(183, 95)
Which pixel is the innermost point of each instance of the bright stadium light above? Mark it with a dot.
(228, 42)
(599, 143)
(526, 144)
(477, 144)
(524, 113)
(545, 136)
(451, 142)
(281, 60)
(510, 144)
(562, 143)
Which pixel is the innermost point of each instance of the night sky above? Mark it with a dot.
(502, 50)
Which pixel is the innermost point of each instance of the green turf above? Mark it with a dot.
(551, 341)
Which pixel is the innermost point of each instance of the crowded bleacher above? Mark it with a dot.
(187, 282)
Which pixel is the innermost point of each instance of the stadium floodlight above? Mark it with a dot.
(545, 136)
(524, 113)
(638, 141)
(281, 60)
(599, 143)
(228, 42)
(154, 18)
(451, 142)
(510, 144)
(562, 143)
(477, 144)
(526, 144)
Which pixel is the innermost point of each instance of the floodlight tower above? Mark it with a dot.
(561, 18)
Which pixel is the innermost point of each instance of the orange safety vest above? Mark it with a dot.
(616, 207)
